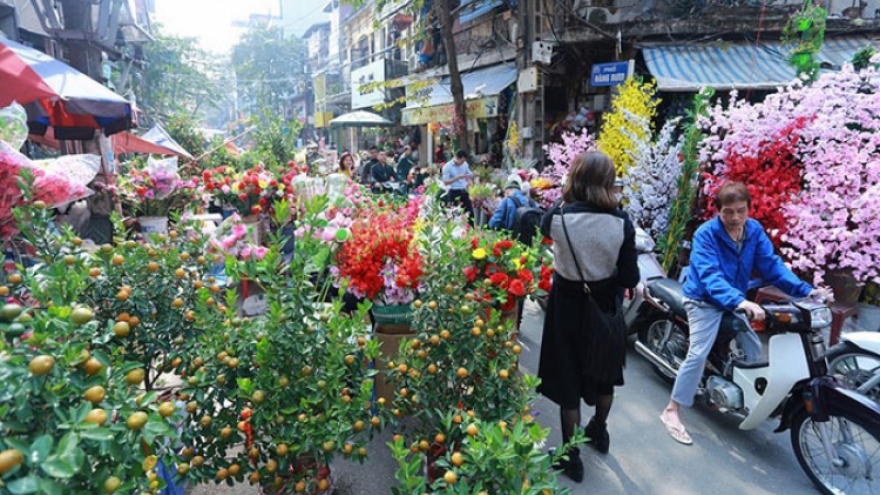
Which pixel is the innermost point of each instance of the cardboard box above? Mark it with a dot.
(389, 337)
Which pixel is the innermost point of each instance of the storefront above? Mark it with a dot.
(488, 93)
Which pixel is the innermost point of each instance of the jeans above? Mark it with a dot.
(704, 321)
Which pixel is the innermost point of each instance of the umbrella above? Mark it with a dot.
(123, 142)
(361, 119)
(57, 95)
(160, 136)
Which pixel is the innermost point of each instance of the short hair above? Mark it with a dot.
(461, 154)
(732, 192)
(373, 148)
(590, 180)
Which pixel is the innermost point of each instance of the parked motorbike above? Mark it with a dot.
(636, 314)
(855, 361)
(835, 432)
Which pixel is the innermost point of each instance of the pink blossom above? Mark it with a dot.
(260, 252)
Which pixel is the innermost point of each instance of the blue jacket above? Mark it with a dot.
(719, 275)
(505, 214)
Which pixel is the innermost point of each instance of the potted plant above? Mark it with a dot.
(279, 427)
(75, 418)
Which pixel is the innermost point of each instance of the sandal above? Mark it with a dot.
(678, 433)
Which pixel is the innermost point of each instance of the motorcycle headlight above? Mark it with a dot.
(820, 317)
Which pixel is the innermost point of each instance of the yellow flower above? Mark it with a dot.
(517, 264)
(235, 187)
(264, 184)
(479, 253)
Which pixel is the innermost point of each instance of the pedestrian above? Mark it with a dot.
(346, 164)
(383, 174)
(456, 175)
(366, 171)
(725, 252)
(583, 343)
(505, 215)
(405, 164)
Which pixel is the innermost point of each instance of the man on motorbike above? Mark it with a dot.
(726, 250)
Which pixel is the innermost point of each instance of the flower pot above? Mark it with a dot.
(843, 283)
(395, 314)
(153, 225)
(869, 317)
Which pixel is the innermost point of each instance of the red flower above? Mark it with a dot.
(506, 244)
(498, 278)
(255, 209)
(475, 242)
(517, 288)
(491, 269)
(546, 272)
(545, 285)
(471, 273)
(509, 304)
(496, 251)
(547, 241)
(242, 197)
(526, 276)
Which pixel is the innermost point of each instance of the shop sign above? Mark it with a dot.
(319, 85)
(609, 74)
(484, 108)
(361, 78)
(322, 119)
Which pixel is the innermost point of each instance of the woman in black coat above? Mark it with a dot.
(583, 343)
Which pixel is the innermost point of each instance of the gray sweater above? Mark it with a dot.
(604, 241)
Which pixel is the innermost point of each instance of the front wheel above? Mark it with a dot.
(859, 370)
(855, 466)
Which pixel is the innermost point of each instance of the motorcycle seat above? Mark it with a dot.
(670, 292)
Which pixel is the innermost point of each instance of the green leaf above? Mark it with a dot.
(99, 434)
(67, 445)
(50, 487)
(40, 450)
(22, 486)
(58, 468)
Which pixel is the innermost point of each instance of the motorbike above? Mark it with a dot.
(855, 361)
(636, 312)
(834, 431)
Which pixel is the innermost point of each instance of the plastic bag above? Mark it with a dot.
(51, 188)
(164, 165)
(13, 125)
(77, 169)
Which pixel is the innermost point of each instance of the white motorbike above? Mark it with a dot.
(855, 361)
(635, 314)
(835, 432)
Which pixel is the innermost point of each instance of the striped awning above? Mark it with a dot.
(737, 65)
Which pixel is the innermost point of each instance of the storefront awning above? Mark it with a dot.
(433, 103)
(724, 65)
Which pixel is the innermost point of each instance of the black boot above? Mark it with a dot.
(573, 467)
(598, 435)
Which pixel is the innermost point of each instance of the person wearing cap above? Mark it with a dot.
(505, 214)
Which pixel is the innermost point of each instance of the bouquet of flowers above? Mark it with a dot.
(50, 188)
(156, 190)
(482, 194)
(505, 271)
(562, 155)
(380, 260)
(248, 193)
(231, 238)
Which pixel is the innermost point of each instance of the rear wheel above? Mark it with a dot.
(857, 369)
(855, 467)
(653, 336)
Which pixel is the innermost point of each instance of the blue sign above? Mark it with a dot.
(609, 74)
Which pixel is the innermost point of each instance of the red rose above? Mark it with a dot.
(255, 209)
(491, 269)
(544, 285)
(496, 251)
(547, 241)
(498, 278)
(506, 244)
(509, 304)
(471, 273)
(546, 272)
(517, 288)
(526, 276)
(242, 197)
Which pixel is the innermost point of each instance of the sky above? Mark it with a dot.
(211, 20)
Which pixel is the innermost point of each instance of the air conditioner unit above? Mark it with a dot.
(596, 15)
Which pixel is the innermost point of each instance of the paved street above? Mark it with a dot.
(643, 459)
